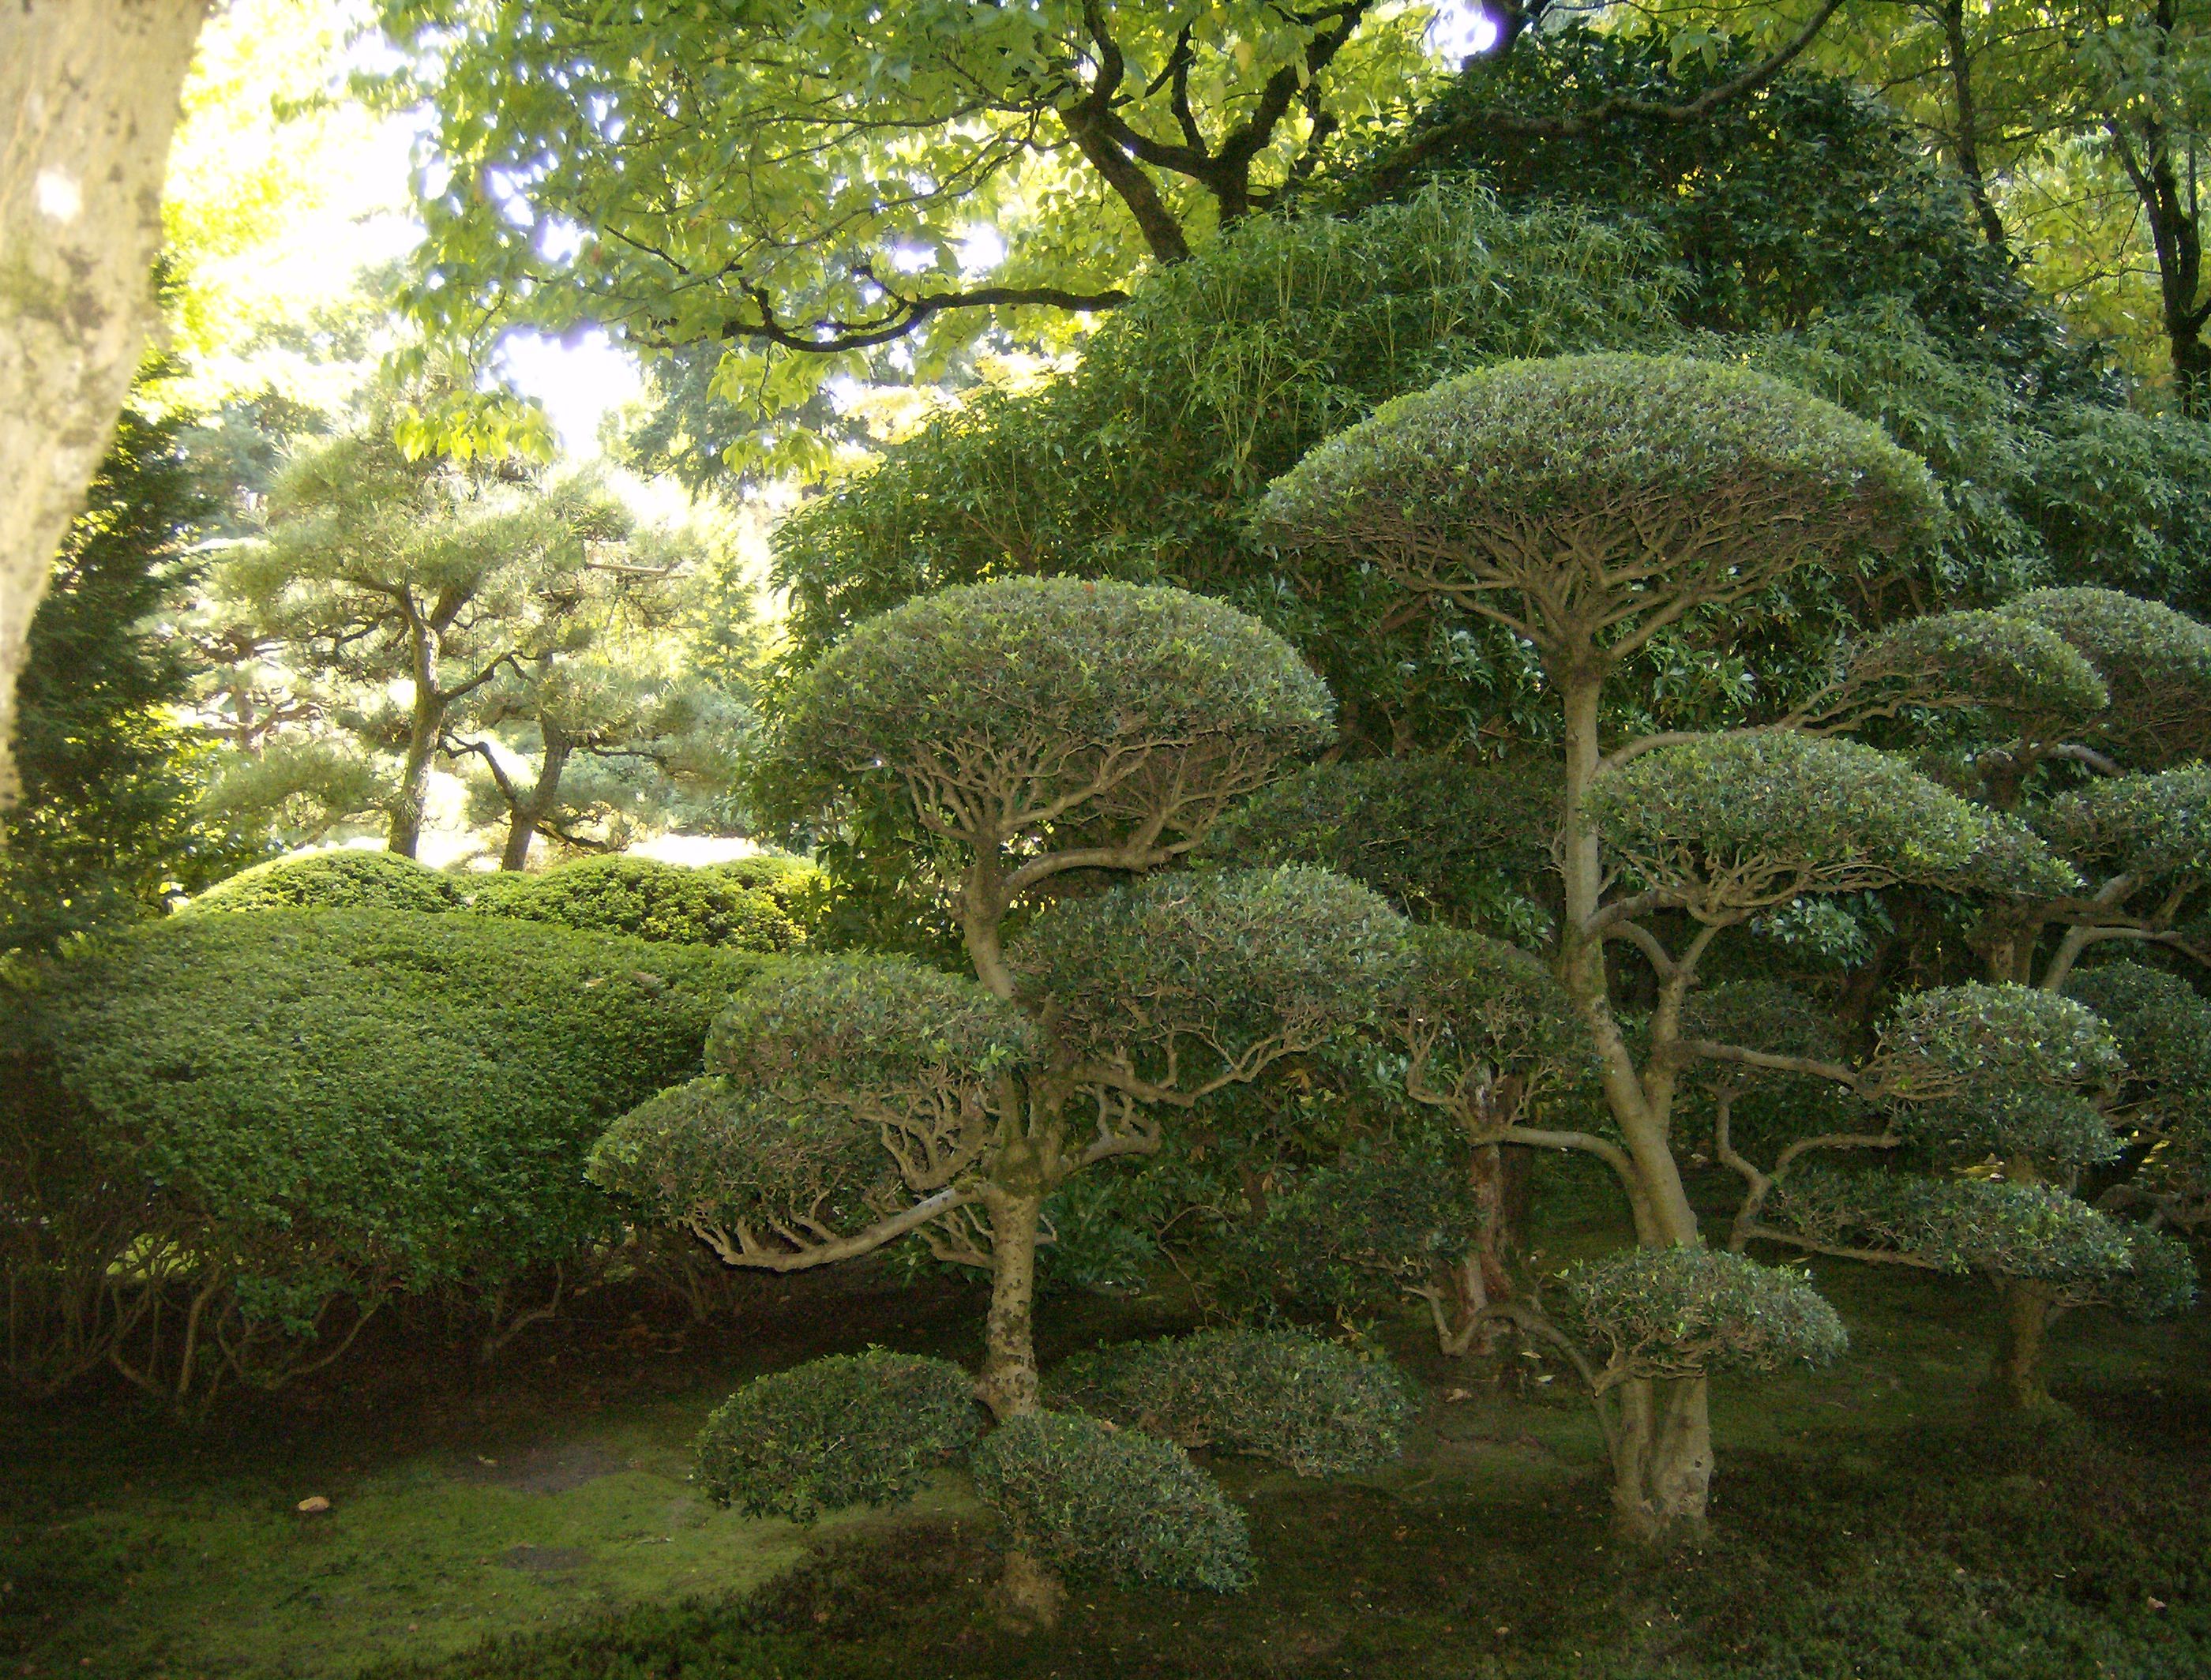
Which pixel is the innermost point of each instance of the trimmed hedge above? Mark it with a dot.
(859, 1429)
(640, 897)
(1686, 1311)
(1310, 1405)
(1087, 1499)
(344, 1104)
(336, 880)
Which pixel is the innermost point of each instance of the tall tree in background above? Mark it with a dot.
(430, 578)
(90, 88)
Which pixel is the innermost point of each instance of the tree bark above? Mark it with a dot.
(1030, 1593)
(405, 834)
(88, 99)
(1008, 1382)
(524, 817)
(2015, 1381)
(1661, 1467)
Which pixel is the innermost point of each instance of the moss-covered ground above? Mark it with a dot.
(531, 1522)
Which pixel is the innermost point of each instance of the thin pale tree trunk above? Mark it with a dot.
(89, 99)
(1008, 1382)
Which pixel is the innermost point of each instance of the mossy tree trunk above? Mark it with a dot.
(2015, 1378)
(1008, 1383)
(90, 89)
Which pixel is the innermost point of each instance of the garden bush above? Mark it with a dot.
(1083, 1497)
(861, 1429)
(1686, 1311)
(336, 880)
(1311, 1405)
(642, 898)
(284, 1114)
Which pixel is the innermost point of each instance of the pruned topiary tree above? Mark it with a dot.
(1590, 505)
(1034, 737)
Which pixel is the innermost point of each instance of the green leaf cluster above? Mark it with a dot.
(862, 1428)
(1686, 1311)
(1117, 1504)
(348, 879)
(1310, 1405)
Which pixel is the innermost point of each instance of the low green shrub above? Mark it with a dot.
(861, 1429)
(640, 897)
(1084, 1497)
(337, 881)
(293, 1111)
(1311, 1405)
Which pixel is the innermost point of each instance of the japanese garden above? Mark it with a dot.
(1107, 837)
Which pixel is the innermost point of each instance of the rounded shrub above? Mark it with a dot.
(1310, 1405)
(1686, 1311)
(640, 897)
(316, 1105)
(336, 880)
(860, 1428)
(1083, 1497)
(2155, 664)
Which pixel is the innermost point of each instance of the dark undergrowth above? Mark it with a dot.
(2080, 1549)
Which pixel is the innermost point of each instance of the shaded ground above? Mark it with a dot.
(532, 1523)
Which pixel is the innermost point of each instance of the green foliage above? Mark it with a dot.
(1093, 1501)
(1955, 1225)
(1443, 840)
(1181, 972)
(2155, 664)
(1477, 1012)
(717, 1155)
(2011, 1070)
(2163, 1028)
(1216, 377)
(303, 1105)
(2122, 499)
(1491, 487)
(2160, 1280)
(862, 1428)
(1801, 196)
(641, 899)
(1732, 822)
(867, 1021)
(2011, 667)
(1344, 1238)
(105, 828)
(1054, 688)
(1311, 1405)
(348, 879)
(1686, 1311)
(2154, 828)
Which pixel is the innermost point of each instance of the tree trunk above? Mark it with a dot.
(1662, 1466)
(1030, 1593)
(1008, 1383)
(88, 89)
(2015, 1383)
(405, 835)
(523, 817)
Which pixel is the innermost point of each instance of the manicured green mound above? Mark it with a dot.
(862, 1428)
(337, 880)
(642, 898)
(1091, 1501)
(1311, 1405)
(342, 1103)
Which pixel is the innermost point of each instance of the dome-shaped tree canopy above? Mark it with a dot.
(1212, 963)
(2009, 1070)
(1027, 702)
(2163, 1027)
(1581, 497)
(1954, 1224)
(1686, 1311)
(1475, 1010)
(1995, 662)
(642, 897)
(349, 879)
(2150, 827)
(2155, 664)
(1732, 822)
(863, 1024)
(717, 1158)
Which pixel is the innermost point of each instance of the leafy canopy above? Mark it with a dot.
(1595, 500)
